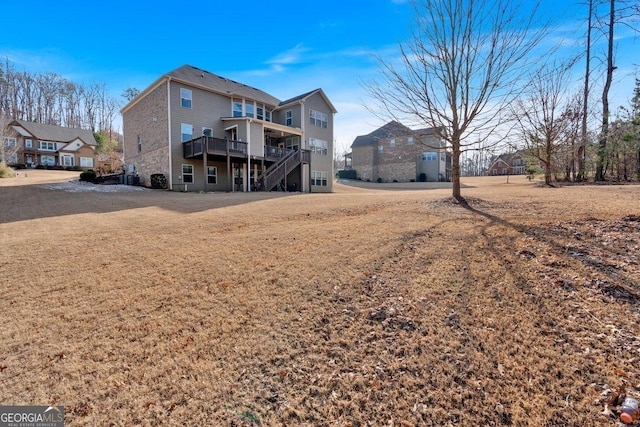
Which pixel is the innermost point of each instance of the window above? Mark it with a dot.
(249, 109)
(187, 174)
(47, 160)
(260, 112)
(316, 118)
(319, 178)
(207, 132)
(185, 98)
(392, 143)
(47, 146)
(9, 142)
(187, 132)
(380, 149)
(267, 115)
(212, 175)
(237, 108)
(430, 155)
(28, 143)
(86, 162)
(289, 118)
(139, 144)
(410, 140)
(67, 160)
(292, 143)
(318, 146)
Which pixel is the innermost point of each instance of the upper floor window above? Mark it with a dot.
(316, 118)
(185, 98)
(237, 108)
(10, 142)
(267, 115)
(249, 109)
(318, 146)
(186, 131)
(139, 143)
(47, 146)
(410, 140)
(430, 155)
(260, 112)
(392, 143)
(288, 118)
(380, 149)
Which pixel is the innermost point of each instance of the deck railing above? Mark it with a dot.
(214, 146)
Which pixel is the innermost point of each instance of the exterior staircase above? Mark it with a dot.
(288, 161)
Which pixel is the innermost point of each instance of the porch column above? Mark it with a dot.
(204, 161)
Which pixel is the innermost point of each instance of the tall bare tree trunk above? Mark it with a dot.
(582, 150)
(602, 143)
(455, 171)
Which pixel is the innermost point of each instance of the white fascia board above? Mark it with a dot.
(22, 131)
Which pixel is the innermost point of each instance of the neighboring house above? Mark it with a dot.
(397, 153)
(38, 144)
(205, 132)
(508, 164)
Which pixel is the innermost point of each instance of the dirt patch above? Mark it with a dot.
(360, 307)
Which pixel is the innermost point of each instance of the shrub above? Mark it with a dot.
(158, 180)
(379, 180)
(347, 174)
(40, 167)
(423, 177)
(16, 166)
(6, 171)
(88, 175)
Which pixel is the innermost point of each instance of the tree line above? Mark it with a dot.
(488, 75)
(52, 99)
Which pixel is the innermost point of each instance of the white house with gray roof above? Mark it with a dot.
(204, 132)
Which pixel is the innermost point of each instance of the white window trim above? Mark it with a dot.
(86, 162)
(182, 133)
(191, 174)
(189, 98)
(214, 175)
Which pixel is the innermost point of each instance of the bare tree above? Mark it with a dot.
(460, 70)
(545, 116)
(582, 149)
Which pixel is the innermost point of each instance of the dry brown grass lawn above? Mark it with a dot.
(362, 307)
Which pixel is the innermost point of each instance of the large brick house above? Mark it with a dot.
(40, 144)
(396, 153)
(508, 164)
(204, 132)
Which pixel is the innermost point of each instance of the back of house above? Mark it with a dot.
(205, 132)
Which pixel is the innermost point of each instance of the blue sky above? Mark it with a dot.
(283, 47)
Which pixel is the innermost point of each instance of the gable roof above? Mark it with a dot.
(196, 77)
(206, 80)
(390, 130)
(304, 96)
(508, 158)
(53, 133)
